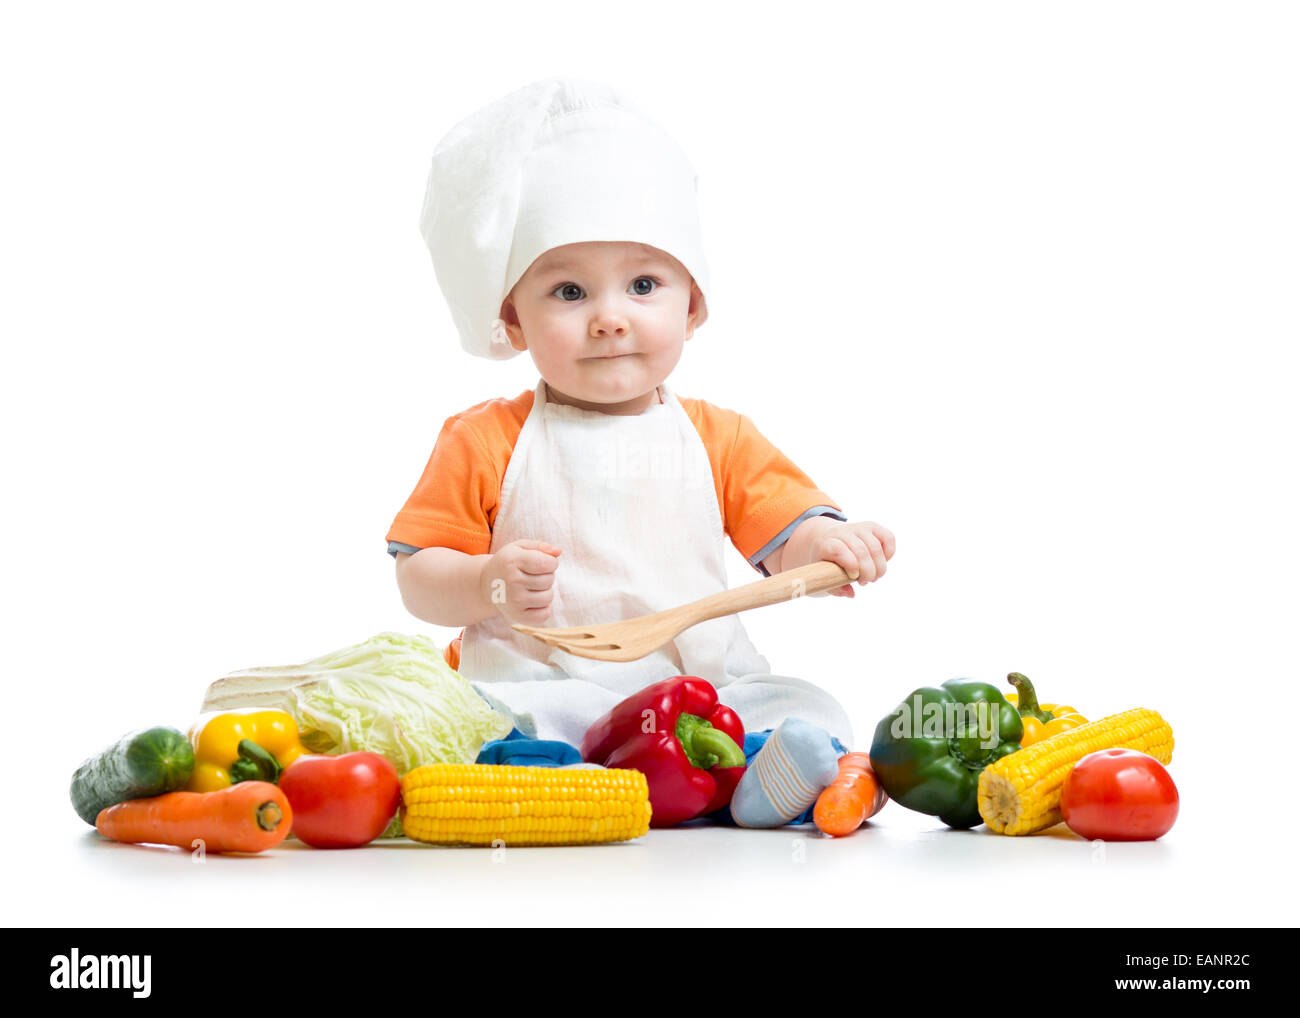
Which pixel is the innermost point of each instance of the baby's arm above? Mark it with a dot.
(444, 586)
(862, 549)
(450, 588)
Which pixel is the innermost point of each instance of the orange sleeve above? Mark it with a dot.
(451, 505)
(762, 494)
(455, 502)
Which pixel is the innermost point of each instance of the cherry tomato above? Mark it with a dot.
(1119, 795)
(341, 801)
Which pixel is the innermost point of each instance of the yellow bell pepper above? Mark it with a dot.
(1040, 720)
(217, 748)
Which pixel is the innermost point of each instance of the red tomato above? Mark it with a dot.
(341, 801)
(1119, 795)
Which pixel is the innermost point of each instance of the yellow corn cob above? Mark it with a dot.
(1021, 792)
(479, 804)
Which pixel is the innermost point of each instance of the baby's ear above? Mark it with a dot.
(696, 311)
(510, 318)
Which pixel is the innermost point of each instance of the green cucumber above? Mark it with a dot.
(141, 764)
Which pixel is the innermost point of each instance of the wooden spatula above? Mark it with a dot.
(635, 638)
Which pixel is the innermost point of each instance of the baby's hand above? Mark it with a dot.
(518, 579)
(862, 549)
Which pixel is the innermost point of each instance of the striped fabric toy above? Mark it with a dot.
(786, 776)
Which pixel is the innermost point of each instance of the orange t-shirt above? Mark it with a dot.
(762, 495)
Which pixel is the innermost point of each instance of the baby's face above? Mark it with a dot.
(604, 321)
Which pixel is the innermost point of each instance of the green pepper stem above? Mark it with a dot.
(1027, 699)
(706, 740)
(254, 764)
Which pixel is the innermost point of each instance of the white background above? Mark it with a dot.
(1018, 281)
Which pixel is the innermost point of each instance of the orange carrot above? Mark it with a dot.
(248, 817)
(851, 799)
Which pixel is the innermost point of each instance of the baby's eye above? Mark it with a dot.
(568, 292)
(639, 289)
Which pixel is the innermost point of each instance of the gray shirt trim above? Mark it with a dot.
(395, 546)
(756, 560)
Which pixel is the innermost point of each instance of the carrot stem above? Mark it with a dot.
(269, 815)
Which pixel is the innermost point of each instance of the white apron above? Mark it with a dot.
(630, 502)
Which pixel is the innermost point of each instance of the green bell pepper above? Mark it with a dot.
(929, 751)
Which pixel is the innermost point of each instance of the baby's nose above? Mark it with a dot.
(608, 325)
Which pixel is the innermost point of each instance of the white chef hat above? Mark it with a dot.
(559, 161)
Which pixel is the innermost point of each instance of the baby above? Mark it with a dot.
(563, 222)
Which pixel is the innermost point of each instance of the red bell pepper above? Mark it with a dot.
(686, 744)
